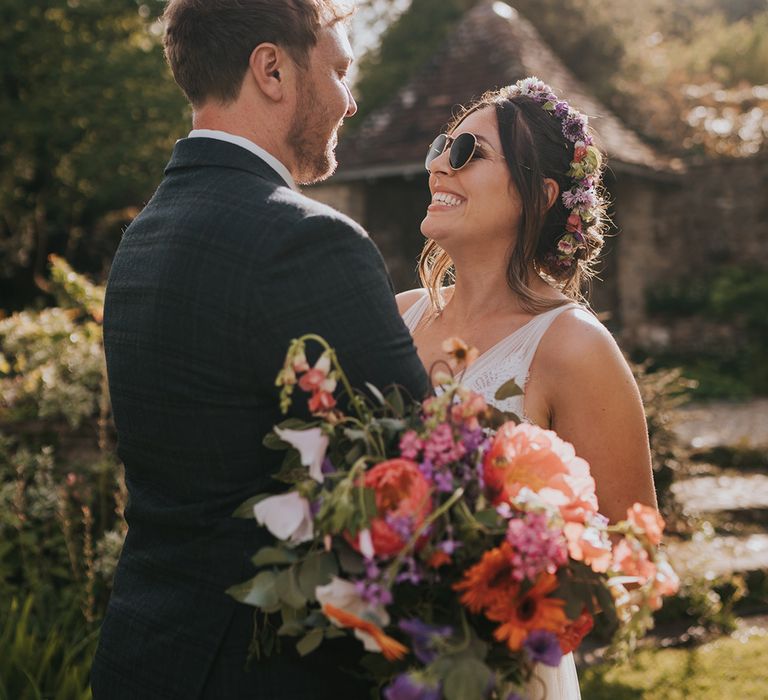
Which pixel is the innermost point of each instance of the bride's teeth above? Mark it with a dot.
(446, 199)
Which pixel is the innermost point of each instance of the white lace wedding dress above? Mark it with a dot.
(511, 359)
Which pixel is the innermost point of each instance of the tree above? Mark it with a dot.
(89, 113)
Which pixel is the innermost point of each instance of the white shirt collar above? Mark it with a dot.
(249, 145)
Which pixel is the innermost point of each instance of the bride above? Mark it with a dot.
(516, 219)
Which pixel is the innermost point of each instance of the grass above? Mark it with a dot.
(730, 667)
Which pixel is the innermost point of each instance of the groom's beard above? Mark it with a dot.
(313, 140)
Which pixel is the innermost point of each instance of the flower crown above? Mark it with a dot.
(582, 199)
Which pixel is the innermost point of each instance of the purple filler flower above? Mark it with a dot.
(542, 646)
(406, 687)
(424, 637)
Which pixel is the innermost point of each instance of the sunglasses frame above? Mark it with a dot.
(448, 144)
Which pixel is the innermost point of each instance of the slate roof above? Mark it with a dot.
(492, 46)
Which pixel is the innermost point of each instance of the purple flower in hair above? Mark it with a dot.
(561, 109)
(575, 126)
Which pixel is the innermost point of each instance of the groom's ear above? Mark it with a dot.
(268, 65)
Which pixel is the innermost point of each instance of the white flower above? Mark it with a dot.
(286, 516)
(312, 445)
(343, 594)
(365, 542)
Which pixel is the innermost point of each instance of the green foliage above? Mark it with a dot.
(53, 663)
(90, 113)
(61, 493)
(737, 296)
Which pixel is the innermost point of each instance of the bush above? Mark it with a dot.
(61, 490)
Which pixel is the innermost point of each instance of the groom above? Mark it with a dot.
(226, 264)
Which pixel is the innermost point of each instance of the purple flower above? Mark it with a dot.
(561, 109)
(327, 466)
(443, 481)
(401, 524)
(406, 687)
(424, 637)
(542, 646)
(575, 126)
(410, 573)
(514, 696)
(427, 468)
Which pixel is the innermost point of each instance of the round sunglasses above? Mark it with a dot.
(462, 149)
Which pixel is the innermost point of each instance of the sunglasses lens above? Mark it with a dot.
(462, 149)
(437, 147)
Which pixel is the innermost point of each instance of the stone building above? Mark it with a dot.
(660, 210)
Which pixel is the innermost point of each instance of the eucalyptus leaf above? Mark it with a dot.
(468, 679)
(395, 399)
(508, 390)
(310, 641)
(288, 588)
(376, 393)
(260, 591)
(245, 510)
(267, 556)
(316, 570)
(349, 560)
(488, 517)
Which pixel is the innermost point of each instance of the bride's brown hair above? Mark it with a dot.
(534, 149)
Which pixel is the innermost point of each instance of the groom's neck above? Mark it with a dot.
(265, 131)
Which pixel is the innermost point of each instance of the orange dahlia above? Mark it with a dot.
(524, 456)
(488, 580)
(526, 611)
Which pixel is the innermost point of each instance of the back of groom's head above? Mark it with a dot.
(208, 43)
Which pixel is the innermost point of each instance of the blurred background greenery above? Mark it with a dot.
(90, 114)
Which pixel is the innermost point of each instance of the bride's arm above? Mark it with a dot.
(594, 403)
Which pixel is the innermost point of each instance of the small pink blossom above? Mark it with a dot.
(648, 520)
(536, 547)
(410, 444)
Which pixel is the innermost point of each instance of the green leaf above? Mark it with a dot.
(508, 390)
(395, 399)
(467, 680)
(310, 641)
(488, 517)
(259, 591)
(316, 570)
(376, 393)
(369, 498)
(288, 587)
(354, 453)
(349, 560)
(245, 510)
(293, 621)
(267, 556)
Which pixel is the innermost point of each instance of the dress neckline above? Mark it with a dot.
(505, 339)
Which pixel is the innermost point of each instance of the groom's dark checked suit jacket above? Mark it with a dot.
(224, 266)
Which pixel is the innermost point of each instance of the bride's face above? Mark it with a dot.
(482, 207)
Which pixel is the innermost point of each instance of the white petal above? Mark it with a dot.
(286, 516)
(312, 445)
(365, 542)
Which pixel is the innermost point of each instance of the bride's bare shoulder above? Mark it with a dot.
(589, 343)
(405, 300)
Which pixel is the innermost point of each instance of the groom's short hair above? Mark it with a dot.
(208, 43)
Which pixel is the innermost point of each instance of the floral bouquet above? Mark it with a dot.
(460, 546)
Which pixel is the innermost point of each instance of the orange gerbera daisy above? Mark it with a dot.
(532, 610)
(390, 648)
(488, 580)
